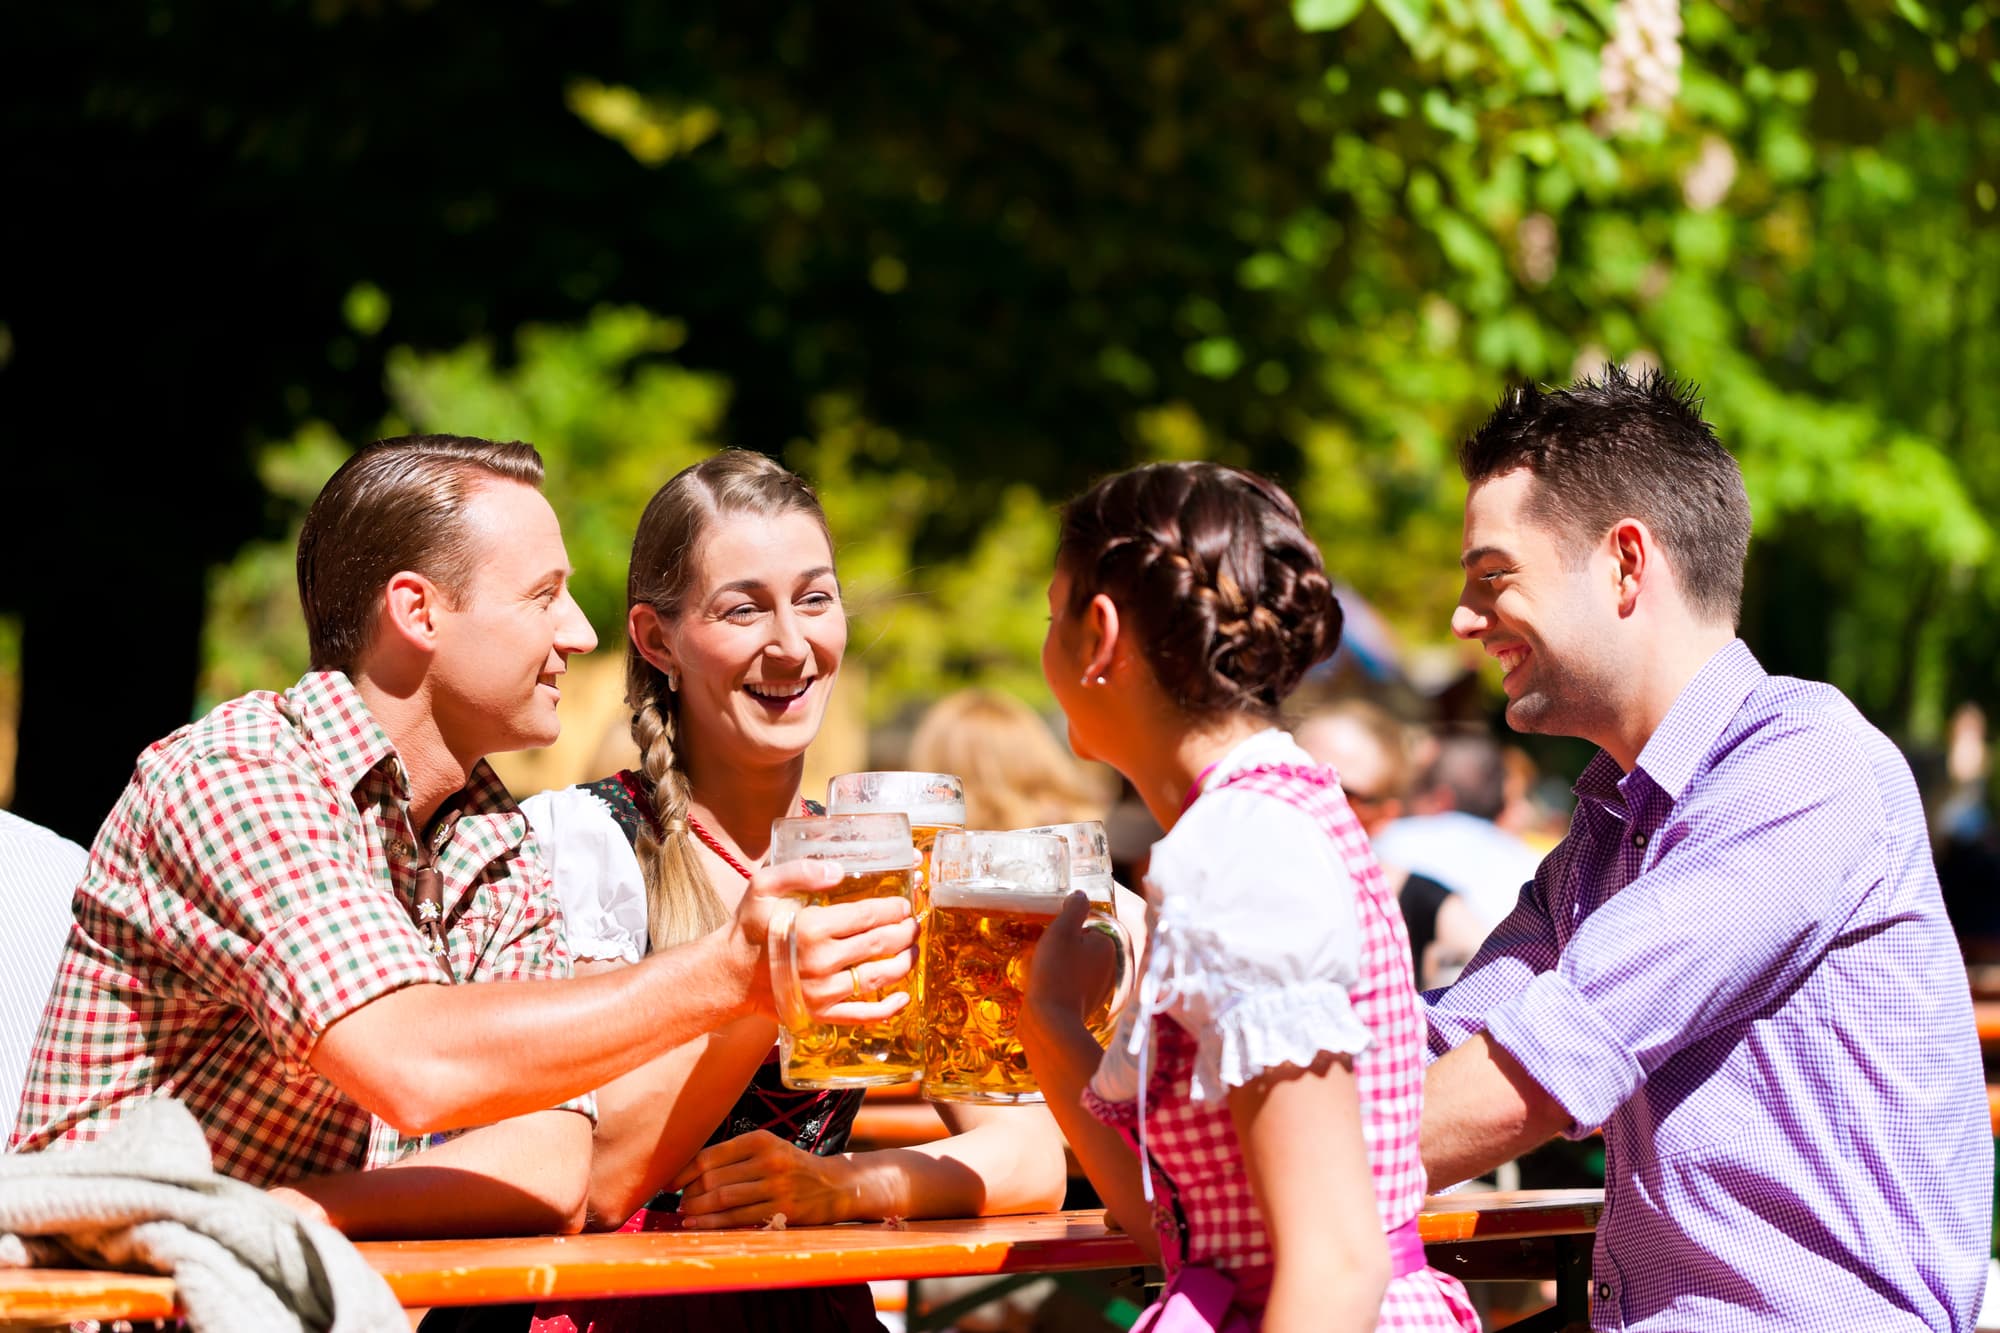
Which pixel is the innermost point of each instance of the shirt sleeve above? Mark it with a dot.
(1520, 948)
(533, 947)
(597, 878)
(1256, 943)
(273, 906)
(1753, 878)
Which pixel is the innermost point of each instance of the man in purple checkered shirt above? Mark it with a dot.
(1738, 963)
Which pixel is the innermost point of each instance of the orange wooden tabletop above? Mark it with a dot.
(37, 1296)
(1986, 1014)
(474, 1272)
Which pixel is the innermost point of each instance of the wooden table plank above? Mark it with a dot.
(1508, 1215)
(58, 1296)
(1986, 1017)
(478, 1272)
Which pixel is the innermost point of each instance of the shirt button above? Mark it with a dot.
(1604, 1291)
(1639, 841)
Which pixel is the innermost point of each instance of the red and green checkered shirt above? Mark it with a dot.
(252, 887)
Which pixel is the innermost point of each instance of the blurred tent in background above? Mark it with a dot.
(1367, 644)
(955, 263)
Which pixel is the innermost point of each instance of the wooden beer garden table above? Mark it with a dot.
(1523, 1235)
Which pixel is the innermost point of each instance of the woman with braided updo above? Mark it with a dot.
(1269, 1076)
(736, 634)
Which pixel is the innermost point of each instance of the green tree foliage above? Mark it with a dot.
(614, 416)
(961, 259)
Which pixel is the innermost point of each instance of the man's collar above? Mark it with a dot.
(348, 739)
(351, 744)
(1688, 733)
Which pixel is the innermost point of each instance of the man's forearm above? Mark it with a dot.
(429, 1058)
(522, 1177)
(1481, 1108)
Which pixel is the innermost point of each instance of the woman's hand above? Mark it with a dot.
(1074, 965)
(745, 1180)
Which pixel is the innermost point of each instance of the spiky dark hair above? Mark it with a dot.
(1622, 445)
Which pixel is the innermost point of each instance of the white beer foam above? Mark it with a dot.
(990, 895)
(854, 858)
(868, 858)
(950, 814)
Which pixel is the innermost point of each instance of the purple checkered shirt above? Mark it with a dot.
(1738, 964)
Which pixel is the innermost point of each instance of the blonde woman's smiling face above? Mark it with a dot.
(760, 639)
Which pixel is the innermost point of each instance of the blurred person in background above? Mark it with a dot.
(1131, 830)
(736, 634)
(1371, 752)
(38, 874)
(1449, 834)
(1968, 836)
(1016, 772)
(1524, 812)
(1017, 776)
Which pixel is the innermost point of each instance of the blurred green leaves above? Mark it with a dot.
(956, 264)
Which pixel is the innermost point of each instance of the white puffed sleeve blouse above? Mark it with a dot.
(596, 873)
(1255, 941)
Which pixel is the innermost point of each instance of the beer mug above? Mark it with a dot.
(1090, 871)
(994, 896)
(878, 860)
(932, 801)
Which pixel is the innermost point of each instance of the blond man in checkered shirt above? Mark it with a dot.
(285, 920)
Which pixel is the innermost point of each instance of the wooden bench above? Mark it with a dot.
(1530, 1235)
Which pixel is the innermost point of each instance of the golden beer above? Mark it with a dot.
(925, 837)
(835, 1055)
(1090, 872)
(877, 859)
(933, 803)
(980, 940)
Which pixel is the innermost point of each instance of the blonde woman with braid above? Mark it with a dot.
(736, 634)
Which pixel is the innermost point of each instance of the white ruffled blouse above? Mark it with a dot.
(596, 874)
(1255, 938)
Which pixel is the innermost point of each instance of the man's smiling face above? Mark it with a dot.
(1545, 609)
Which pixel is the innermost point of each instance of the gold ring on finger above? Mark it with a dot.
(854, 978)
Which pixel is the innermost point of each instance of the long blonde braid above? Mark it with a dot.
(681, 902)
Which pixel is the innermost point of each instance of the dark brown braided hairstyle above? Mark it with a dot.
(1213, 569)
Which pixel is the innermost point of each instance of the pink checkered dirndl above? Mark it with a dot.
(1203, 1207)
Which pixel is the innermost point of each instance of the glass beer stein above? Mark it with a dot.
(932, 801)
(879, 860)
(1090, 871)
(995, 895)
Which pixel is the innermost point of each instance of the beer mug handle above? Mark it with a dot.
(781, 949)
(1128, 962)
